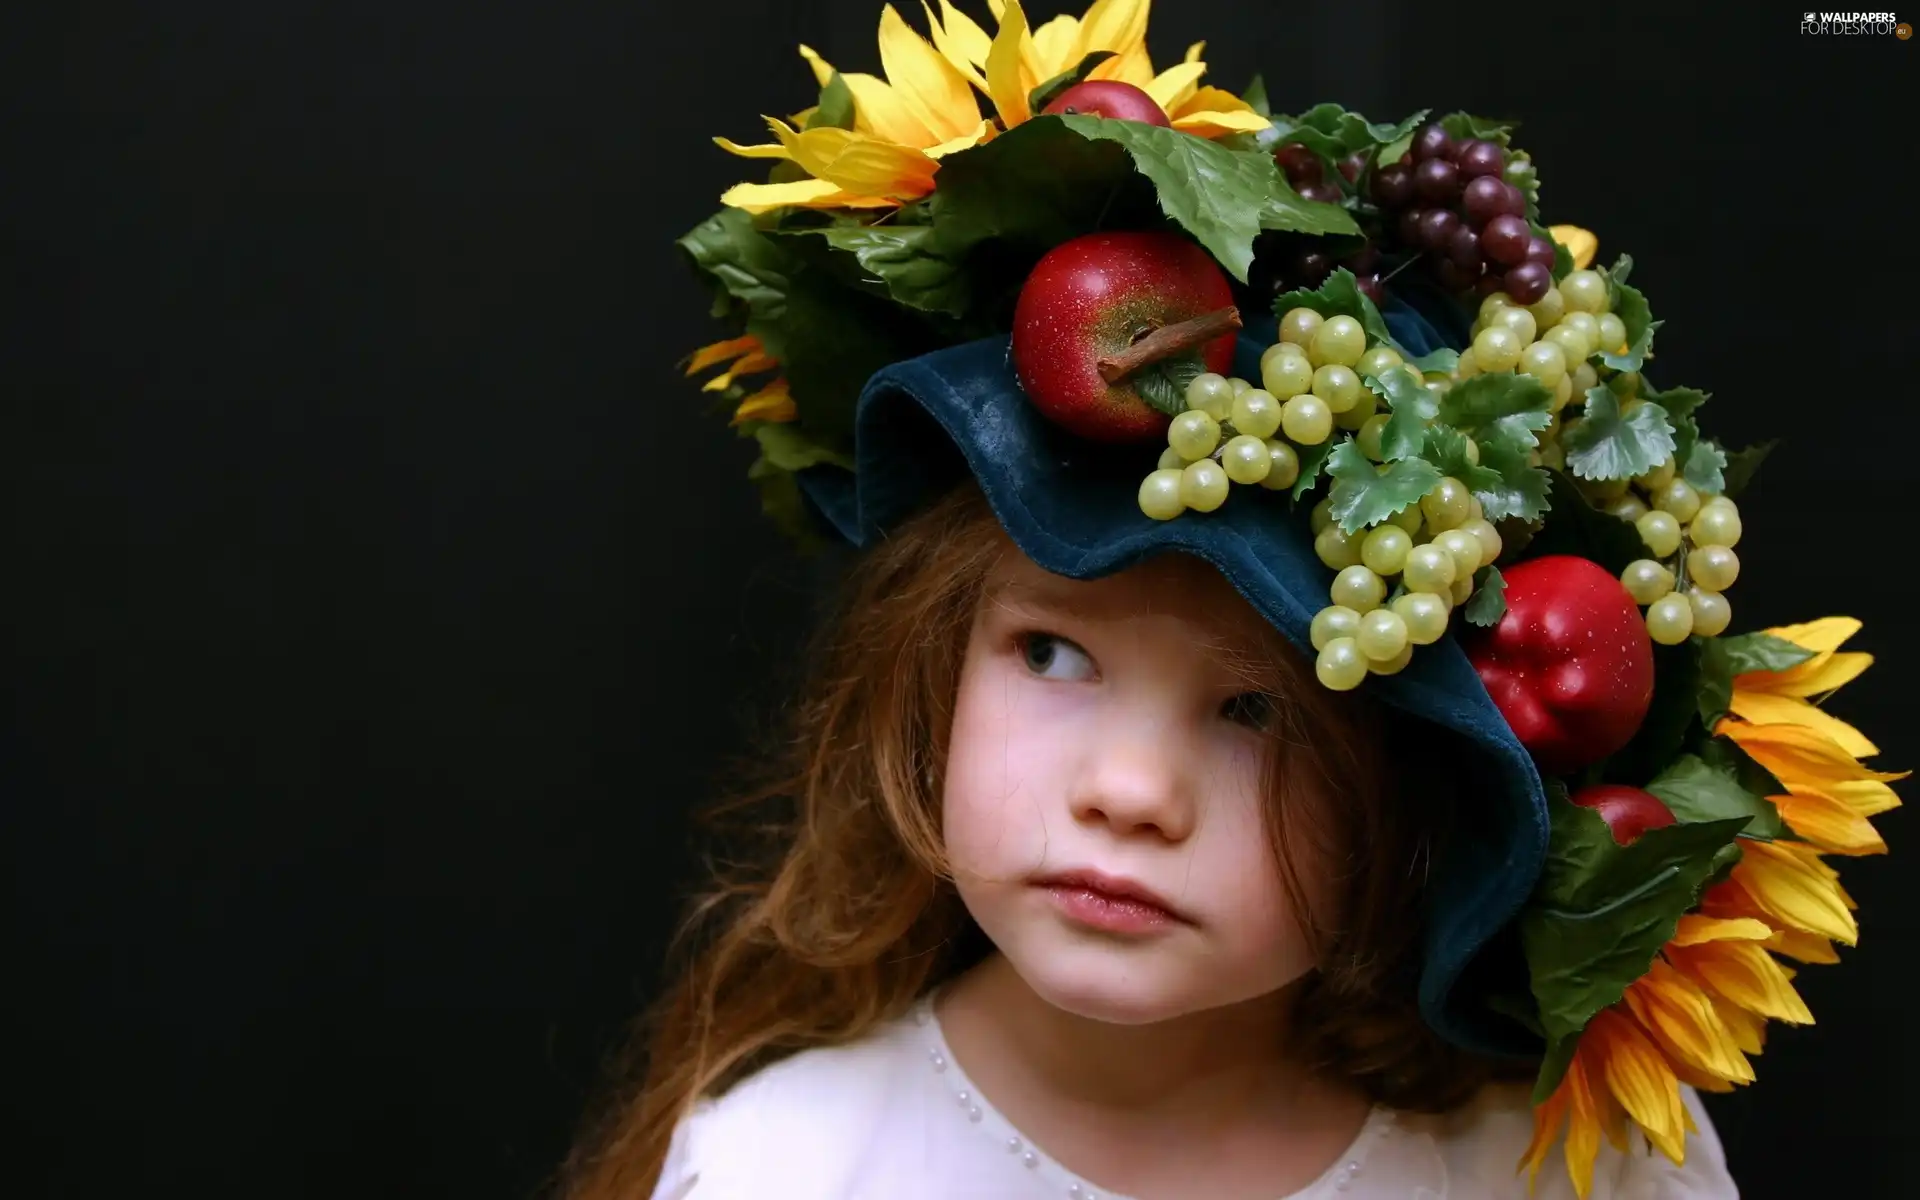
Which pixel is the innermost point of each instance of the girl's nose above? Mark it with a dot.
(1139, 780)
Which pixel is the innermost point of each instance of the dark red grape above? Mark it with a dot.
(1488, 285)
(1504, 239)
(1485, 198)
(1480, 157)
(1370, 284)
(1432, 142)
(1301, 164)
(1436, 227)
(1528, 282)
(1454, 277)
(1325, 191)
(1408, 226)
(1393, 186)
(1437, 181)
(1362, 261)
(1312, 268)
(1539, 250)
(1352, 165)
(1463, 247)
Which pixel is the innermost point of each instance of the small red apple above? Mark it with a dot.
(1570, 665)
(1110, 98)
(1628, 811)
(1091, 299)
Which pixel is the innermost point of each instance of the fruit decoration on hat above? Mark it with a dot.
(1451, 395)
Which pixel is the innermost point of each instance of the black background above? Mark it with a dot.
(379, 598)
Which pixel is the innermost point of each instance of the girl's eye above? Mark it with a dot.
(1252, 709)
(1052, 657)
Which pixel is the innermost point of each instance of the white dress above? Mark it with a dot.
(892, 1117)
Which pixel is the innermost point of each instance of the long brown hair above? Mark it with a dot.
(837, 912)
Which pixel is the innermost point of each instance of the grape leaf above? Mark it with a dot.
(1447, 450)
(1333, 132)
(1698, 791)
(744, 265)
(1631, 307)
(1405, 435)
(1742, 464)
(1703, 468)
(1605, 445)
(1721, 658)
(1489, 602)
(1463, 125)
(1507, 407)
(1046, 93)
(1339, 296)
(908, 259)
(1222, 197)
(1312, 459)
(1443, 360)
(1255, 94)
(1364, 495)
(1616, 275)
(1602, 911)
(835, 110)
(1163, 384)
(1522, 490)
(1680, 404)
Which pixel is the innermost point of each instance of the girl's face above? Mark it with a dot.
(1105, 805)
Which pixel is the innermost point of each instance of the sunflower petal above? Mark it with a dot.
(1791, 888)
(1116, 25)
(1209, 124)
(1680, 1017)
(1003, 67)
(1172, 87)
(858, 162)
(1828, 633)
(771, 403)
(983, 134)
(822, 69)
(1053, 48)
(1818, 675)
(714, 353)
(1583, 1130)
(764, 150)
(1805, 947)
(1580, 243)
(1868, 797)
(1798, 755)
(882, 111)
(1547, 1119)
(1764, 709)
(1829, 823)
(1640, 1077)
(932, 89)
(801, 193)
(1696, 930)
(1745, 974)
(959, 41)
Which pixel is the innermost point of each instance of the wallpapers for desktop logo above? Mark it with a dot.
(1855, 24)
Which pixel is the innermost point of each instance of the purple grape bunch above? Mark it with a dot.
(1451, 202)
(1305, 262)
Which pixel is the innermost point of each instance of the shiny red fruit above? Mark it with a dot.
(1628, 811)
(1570, 665)
(1092, 297)
(1110, 98)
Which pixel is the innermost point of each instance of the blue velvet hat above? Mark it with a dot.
(1617, 764)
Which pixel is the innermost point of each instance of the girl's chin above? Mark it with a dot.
(1127, 995)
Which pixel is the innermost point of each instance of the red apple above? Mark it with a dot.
(1570, 665)
(1110, 98)
(1092, 298)
(1628, 811)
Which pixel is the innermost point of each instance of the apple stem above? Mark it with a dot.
(1167, 341)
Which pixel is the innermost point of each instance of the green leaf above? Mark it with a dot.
(1721, 658)
(1032, 188)
(1703, 468)
(1339, 296)
(1312, 460)
(1698, 791)
(1680, 403)
(1489, 601)
(1163, 385)
(1413, 407)
(1256, 96)
(1631, 307)
(1333, 132)
(1742, 464)
(1443, 361)
(1461, 125)
(1222, 197)
(909, 260)
(836, 106)
(1505, 407)
(1576, 527)
(1605, 445)
(1364, 495)
(1447, 450)
(1523, 488)
(1669, 724)
(1617, 275)
(1553, 1066)
(744, 264)
(1046, 93)
(1603, 910)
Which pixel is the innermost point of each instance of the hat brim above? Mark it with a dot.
(1071, 506)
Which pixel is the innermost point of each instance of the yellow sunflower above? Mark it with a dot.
(1701, 1011)
(925, 107)
(744, 356)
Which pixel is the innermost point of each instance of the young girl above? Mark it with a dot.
(1075, 878)
(1088, 890)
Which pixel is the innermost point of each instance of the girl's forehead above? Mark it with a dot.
(1167, 585)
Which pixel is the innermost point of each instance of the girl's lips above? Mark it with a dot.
(1109, 902)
